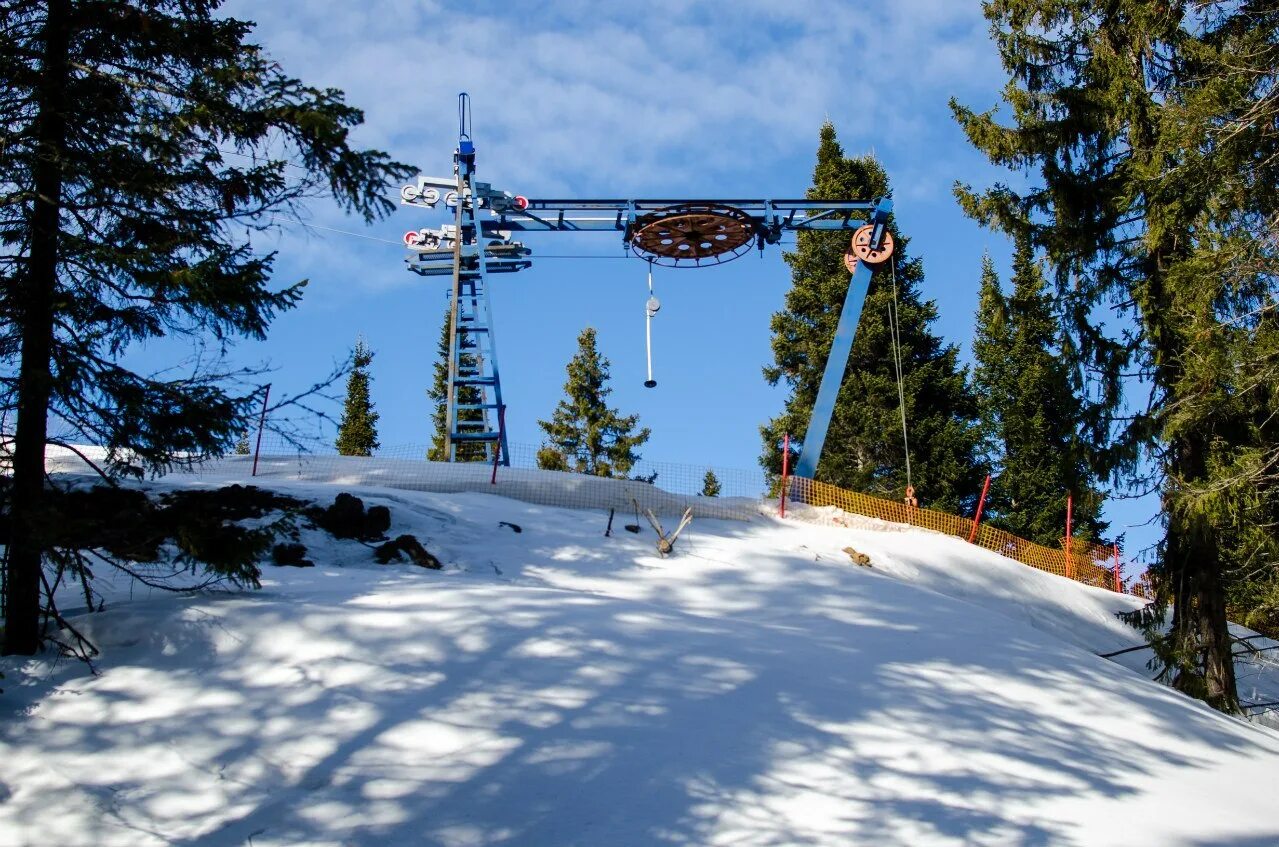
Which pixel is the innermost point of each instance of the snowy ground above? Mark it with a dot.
(556, 687)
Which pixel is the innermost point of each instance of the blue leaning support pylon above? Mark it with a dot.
(840, 349)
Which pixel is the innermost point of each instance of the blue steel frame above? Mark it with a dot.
(470, 285)
(772, 217)
(840, 349)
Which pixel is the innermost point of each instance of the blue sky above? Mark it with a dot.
(600, 99)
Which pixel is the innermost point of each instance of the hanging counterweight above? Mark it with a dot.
(651, 307)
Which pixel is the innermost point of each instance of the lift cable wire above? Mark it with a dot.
(353, 234)
(894, 328)
(401, 244)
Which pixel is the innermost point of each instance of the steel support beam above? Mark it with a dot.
(840, 349)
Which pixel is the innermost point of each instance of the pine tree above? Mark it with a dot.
(584, 435)
(357, 432)
(1148, 128)
(1031, 414)
(993, 377)
(710, 484)
(140, 139)
(439, 395)
(864, 449)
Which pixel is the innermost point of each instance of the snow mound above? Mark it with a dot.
(559, 687)
(547, 488)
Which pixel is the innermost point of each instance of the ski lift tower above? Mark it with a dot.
(673, 233)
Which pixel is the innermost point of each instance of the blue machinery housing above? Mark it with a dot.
(479, 243)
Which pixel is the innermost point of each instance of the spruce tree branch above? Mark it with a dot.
(84, 458)
(84, 649)
(210, 582)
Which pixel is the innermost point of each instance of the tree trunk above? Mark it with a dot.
(1193, 563)
(1192, 558)
(37, 288)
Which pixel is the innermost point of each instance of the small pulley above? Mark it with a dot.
(651, 308)
(860, 249)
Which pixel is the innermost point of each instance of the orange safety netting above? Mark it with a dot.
(1088, 563)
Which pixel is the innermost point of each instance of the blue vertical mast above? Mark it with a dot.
(472, 350)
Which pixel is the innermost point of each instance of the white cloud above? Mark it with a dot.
(668, 97)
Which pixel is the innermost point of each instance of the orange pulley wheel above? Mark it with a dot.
(859, 248)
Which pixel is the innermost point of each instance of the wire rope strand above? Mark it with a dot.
(895, 331)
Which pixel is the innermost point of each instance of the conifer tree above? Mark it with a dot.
(1148, 130)
(142, 140)
(439, 395)
(864, 448)
(710, 484)
(357, 432)
(1031, 414)
(584, 435)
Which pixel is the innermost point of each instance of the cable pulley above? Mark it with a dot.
(860, 249)
(696, 234)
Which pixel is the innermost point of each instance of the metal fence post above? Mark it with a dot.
(980, 503)
(497, 445)
(785, 471)
(1069, 510)
(261, 423)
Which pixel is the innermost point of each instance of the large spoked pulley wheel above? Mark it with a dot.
(693, 235)
(860, 250)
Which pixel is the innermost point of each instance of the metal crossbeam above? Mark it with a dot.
(772, 216)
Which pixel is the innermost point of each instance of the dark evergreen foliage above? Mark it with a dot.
(291, 554)
(357, 431)
(143, 141)
(584, 435)
(1149, 130)
(1032, 417)
(406, 545)
(439, 394)
(710, 485)
(864, 450)
(346, 517)
(130, 526)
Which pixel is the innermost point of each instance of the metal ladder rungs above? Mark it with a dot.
(476, 436)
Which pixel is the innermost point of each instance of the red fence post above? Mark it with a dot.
(261, 423)
(980, 503)
(497, 448)
(1118, 584)
(785, 471)
(1069, 514)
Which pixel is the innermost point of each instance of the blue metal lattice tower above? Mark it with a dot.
(474, 411)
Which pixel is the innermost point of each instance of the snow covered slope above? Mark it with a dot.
(556, 687)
